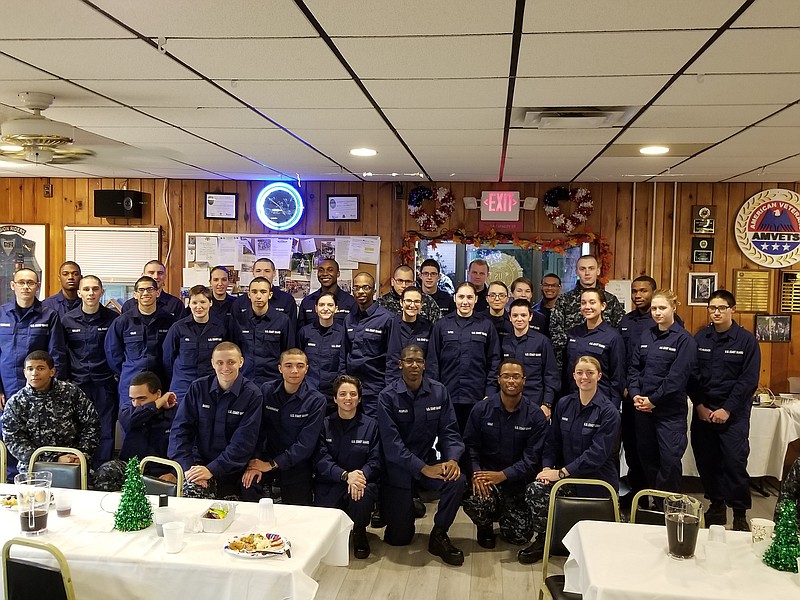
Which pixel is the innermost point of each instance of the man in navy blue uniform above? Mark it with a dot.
(477, 274)
(533, 350)
(504, 438)
(290, 427)
(402, 278)
(367, 333)
(216, 428)
(167, 302)
(261, 333)
(497, 298)
(85, 329)
(409, 328)
(328, 277)
(134, 342)
(66, 299)
(322, 341)
(429, 274)
(413, 412)
(25, 326)
(550, 287)
(280, 301)
(218, 281)
(721, 388)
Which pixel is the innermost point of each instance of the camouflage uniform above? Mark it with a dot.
(790, 489)
(567, 313)
(537, 496)
(393, 303)
(110, 476)
(60, 416)
(511, 511)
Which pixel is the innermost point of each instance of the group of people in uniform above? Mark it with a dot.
(358, 402)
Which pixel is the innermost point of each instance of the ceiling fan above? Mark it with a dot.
(37, 139)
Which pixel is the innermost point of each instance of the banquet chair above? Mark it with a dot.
(564, 512)
(65, 475)
(3, 461)
(651, 516)
(156, 486)
(30, 579)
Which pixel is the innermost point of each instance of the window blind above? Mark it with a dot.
(114, 254)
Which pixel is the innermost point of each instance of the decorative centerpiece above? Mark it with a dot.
(134, 512)
(782, 554)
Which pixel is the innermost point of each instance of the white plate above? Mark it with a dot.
(9, 501)
(285, 548)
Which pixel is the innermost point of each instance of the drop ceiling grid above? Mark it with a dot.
(190, 92)
(467, 92)
(672, 135)
(557, 91)
(725, 89)
(752, 51)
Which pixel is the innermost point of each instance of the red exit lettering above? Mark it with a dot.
(500, 201)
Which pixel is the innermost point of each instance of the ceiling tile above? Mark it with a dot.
(327, 118)
(452, 137)
(439, 93)
(771, 13)
(109, 116)
(587, 91)
(683, 135)
(234, 118)
(787, 118)
(703, 116)
(723, 90)
(560, 137)
(45, 19)
(622, 169)
(447, 118)
(161, 92)
(322, 93)
(752, 51)
(65, 93)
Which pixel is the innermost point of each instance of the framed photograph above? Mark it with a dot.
(221, 206)
(773, 328)
(344, 208)
(700, 287)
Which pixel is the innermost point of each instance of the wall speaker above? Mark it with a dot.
(127, 204)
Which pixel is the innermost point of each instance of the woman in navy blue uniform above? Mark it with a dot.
(322, 341)
(190, 342)
(595, 337)
(348, 461)
(522, 287)
(657, 378)
(464, 354)
(408, 328)
(222, 301)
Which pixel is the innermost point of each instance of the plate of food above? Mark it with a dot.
(9, 501)
(258, 545)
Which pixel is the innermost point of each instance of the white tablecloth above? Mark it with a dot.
(771, 431)
(112, 564)
(620, 561)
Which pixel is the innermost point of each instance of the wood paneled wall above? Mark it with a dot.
(640, 230)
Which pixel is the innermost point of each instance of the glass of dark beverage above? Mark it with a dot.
(682, 515)
(33, 501)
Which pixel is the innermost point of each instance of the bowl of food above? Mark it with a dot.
(218, 517)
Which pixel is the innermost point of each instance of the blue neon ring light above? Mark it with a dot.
(264, 194)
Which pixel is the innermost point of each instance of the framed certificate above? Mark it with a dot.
(344, 208)
(221, 206)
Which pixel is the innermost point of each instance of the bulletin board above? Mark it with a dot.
(295, 257)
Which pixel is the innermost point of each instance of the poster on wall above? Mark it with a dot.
(21, 247)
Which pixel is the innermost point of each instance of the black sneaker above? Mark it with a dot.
(533, 553)
(360, 543)
(740, 523)
(376, 522)
(419, 508)
(440, 545)
(486, 537)
(717, 514)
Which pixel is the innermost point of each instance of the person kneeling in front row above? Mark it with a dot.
(581, 443)
(348, 460)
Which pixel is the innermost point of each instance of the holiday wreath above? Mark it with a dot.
(445, 204)
(584, 207)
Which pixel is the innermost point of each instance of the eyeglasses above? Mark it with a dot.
(409, 301)
(431, 274)
(362, 288)
(551, 285)
(511, 377)
(147, 290)
(27, 283)
(404, 281)
(718, 309)
(413, 361)
(496, 296)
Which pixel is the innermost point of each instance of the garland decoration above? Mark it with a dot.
(445, 205)
(584, 207)
(492, 238)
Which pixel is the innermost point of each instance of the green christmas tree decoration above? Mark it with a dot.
(134, 512)
(782, 554)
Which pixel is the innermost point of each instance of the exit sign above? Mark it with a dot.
(500, 206)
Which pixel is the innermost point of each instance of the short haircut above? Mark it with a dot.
(411, 348)
(95, 277)
(149, 379)
(42, 355)
(429, 262)
(551, 275)
(69, 263)
(591, 360)
(328, 295)
(723, 295)
(592, 256)
(329, 260)
(411, 288)
(35, 274)
(498, 282)
(201, 290)
(225, 347)
(154, 262)
(468, 284)
(647, 279)
(402, 269)
(293, 352)
(337, 383)
(261, 280)
(521, 280)
(220, 268)
(269, 260)
(480, 262)
(511, 361)
(145, 279)
(365, 274)
(516, 303)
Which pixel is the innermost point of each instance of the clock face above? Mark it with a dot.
(279, 206)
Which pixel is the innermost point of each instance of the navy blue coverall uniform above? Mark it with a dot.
(464, 354)
(607, 346)
(403, 334)
(85, 336)
(281, 301)
(221, 309)
(262, 339)
(290, 429)
(366, 343)
(443, 300)
(323, 348)
(218, 429)
(660, 369)
(409, 423)
(535, 352)
(725, 376)
(187, 351)
(540, 309)
(347, 445)
(148, 430)
(166, 302)
(307, 313)
(60, 304)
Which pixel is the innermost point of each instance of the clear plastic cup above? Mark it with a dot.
(173, 536)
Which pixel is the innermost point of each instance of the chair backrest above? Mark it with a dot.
(32, 580)
(65, 475)
(153, 485)
(652, 516)
(564, 511)
(3, 461)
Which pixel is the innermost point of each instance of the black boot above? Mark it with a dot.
(486, 537)
(419, 508)
(360, 543)
(533, 553)
(376, 522)
(740, 521)
(717, 514)
(439, 545)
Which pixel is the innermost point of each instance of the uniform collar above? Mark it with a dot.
(235, 389)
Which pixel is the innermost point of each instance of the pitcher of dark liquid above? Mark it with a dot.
(682, 514)
(33, 501)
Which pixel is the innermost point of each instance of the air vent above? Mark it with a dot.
(571, 118)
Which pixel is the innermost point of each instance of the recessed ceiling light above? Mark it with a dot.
(11, 148)
(363, 152)
(654, 150)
